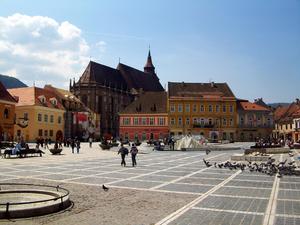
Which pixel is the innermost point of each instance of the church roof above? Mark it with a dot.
(148, 103)
(207, 90)
(124, 77)
(149, 63)
(137, 79)
(101, 74)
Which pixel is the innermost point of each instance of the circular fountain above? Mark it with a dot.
(28, 200)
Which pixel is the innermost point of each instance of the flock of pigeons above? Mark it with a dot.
(270, 167)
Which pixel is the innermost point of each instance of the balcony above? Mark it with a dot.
(199, 125)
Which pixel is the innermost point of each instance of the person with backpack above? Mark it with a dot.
(133, 152)
(123, 151)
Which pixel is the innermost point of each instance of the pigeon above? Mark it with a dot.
(104, 188)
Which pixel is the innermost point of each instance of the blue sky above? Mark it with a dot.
(253, 45)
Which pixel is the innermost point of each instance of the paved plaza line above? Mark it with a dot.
(245, 187)
(156, 171)
(190, 205)
(186, 176)
(238, 196)
(228, 210)
(270, 214)
(289, 216)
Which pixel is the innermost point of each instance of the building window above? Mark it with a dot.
(136, 136)
(161, 121)
(6, 113)
(291, 126)
(172, 121)
(194, 120)
(179, 121)
(51, 118)
(40, 132)
(210, 122)
(144, 136)
(224, 136)
(224, 122)
(151, 120)
(201, 108)
(136, 121)
(187, 121)
(144, 121)
(202, 121)
(231, 122)
(45, 133)
(224, 108)
(46, 118)
(59, 120)
(51, 133)
(40, 117)
(242, 120)
(217, 108)
(126, 121)
(187, 108)
(231, 108)
(25, 115)
(194, 108)
(210, 108)
(179, 107)
(172, 108)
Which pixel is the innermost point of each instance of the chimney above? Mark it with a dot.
(212, 84)
(297, 101)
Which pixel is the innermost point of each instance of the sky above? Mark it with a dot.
(252, 45)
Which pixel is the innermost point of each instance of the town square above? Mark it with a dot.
(149, 113)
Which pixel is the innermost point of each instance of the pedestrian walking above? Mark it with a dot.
(123, 151)
(73, 145)
(133, 152)
(78, 146)
(91, 141)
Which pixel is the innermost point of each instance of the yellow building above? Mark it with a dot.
(38, 114)
(7, 114)
(207, 109)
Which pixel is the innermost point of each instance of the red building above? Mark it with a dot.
(145, 118)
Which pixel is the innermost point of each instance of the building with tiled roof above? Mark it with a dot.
(253, 121)
(7, 112)
(145, 118)
(286, 121)
(207, 109)
(74, 127)
(39, 113)
(107, 91)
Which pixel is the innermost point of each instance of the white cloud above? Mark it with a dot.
(37, 48)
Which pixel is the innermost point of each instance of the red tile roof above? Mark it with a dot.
(5, 95)
(207, 90)
(148, 103)
(30, 96)
(249, 106)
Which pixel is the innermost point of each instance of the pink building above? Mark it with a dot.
(145, 118)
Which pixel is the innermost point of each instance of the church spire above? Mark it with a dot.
(149, 68)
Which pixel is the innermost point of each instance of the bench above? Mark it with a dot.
(23, 153)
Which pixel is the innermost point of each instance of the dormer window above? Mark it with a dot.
(53, 101)
(42, 99)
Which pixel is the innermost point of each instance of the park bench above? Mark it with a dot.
(23, 153)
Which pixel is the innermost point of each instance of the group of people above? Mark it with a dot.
(124, 151)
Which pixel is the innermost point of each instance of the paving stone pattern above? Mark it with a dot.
(242, 198)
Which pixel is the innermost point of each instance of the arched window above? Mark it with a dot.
(6, 113)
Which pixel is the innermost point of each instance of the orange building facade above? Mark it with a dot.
(7, 114)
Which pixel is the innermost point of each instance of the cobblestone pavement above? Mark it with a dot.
(221, 196)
